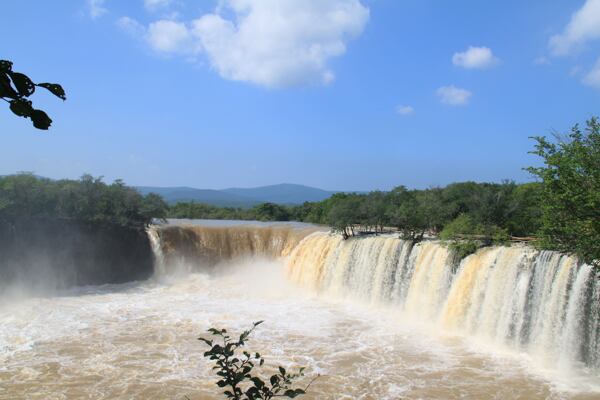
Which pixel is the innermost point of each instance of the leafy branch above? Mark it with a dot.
(16, 88)
(236, 371)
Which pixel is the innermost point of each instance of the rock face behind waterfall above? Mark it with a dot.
(48, 254)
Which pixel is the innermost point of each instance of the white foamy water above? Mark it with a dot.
(139, 341)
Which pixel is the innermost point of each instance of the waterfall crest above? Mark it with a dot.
(540, 302)
(189, 248)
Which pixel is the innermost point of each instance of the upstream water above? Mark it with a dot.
(376, 319)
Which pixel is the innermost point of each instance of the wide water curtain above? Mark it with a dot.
(544, 303)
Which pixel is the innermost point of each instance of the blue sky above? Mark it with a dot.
(338, 94)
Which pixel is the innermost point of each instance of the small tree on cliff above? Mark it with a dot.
(344, 213)
(16, 88)
(570, 197)
(236, 371)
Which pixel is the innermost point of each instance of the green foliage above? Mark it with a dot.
(526, 210)
(261, 212)
(342, 215)
(88, 199)
(463, 248)
(271, 212)
(16, 88)
(462, 225)
(236, 371)
(466, 226)
(404, 213)
(194, 210)
(570, 197)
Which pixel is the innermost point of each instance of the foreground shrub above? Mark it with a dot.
(237, 372)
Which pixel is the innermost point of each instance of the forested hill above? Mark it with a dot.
(285, 193)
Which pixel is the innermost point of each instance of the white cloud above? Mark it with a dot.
(169, 37)
(278, 43)
(153, 5)
(592, 78)
(405, 110)
(475, 58)
(584, 26)
(131, 26)
(271, 43)
(96, 8)
(453, 95)
(541, 61)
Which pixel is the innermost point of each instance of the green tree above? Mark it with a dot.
(16, 88)
(406, 214)
(525, 210)
(344, 213)
(372, 212)
(570, 196)
(271, 212)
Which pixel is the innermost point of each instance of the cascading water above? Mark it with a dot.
(542, 303)
(182, 249)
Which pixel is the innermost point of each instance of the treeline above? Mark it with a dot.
(25, 196)
(261, 212)
(479, 208)
(468, 208)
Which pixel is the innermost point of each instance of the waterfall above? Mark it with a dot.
(159, 256)
(180, 249)
(540, 302)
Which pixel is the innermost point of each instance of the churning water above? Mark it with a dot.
(376, 317)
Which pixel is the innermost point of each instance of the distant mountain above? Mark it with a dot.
(208, 196)
(284, 193)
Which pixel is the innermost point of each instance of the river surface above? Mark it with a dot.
(140, 341)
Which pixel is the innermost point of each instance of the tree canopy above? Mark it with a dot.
(570, 196)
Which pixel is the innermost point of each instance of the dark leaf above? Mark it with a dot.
(6, 90)
(282, 371)
(24, 85)
(257, 382)
(21, 107)
(40, 119)
(5, 66)
(208, 342)
(293, 393)
(55, 89)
